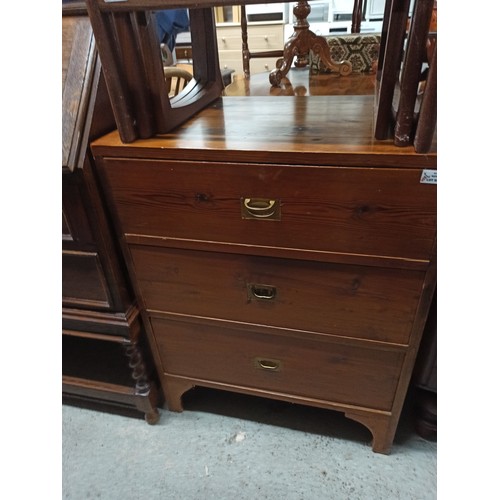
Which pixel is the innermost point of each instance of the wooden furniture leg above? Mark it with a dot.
(382, 427)
(144, 390)
(173, 389)
(301, 43)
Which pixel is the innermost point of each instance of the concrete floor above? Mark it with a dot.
(230, 446)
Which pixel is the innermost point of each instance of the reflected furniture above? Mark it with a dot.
(259, 38)
(248, 54)
(177, 79)
(298, 47)
(300, 82)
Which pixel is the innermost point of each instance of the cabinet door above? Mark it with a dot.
(84, 282)
(92, 269)
(78, 57)
(76, 229)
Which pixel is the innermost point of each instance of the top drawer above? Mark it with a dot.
(357, 211)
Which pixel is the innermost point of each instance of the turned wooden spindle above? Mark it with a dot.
(299, 45)
(143, 387)
(357, 15)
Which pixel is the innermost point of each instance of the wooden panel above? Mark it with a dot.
(352, 301)
(79, 55)
(425, 373)
(76, 228)
(83, 280)
(66, 229)
(322, 370)
(383, 212)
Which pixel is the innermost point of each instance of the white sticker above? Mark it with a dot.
(429, 177)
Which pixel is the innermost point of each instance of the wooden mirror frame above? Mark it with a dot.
(131, 60)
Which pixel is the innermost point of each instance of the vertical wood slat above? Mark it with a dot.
(383, 37)
(391, 66)
(357, 14)
(206, 66)
(133, 71)
(412, 68)
(206, 85)
(426, 125)
(150, 55)
(79, 59)
(245, 51)
(108, 48)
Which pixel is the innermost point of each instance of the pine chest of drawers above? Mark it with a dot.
(277, 250)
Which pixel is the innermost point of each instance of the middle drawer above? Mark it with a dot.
(334, 299)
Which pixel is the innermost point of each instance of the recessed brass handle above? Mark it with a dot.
(261, 292)
(260, 208)
(271, 365)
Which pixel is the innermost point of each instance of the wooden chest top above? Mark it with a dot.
(312, 130)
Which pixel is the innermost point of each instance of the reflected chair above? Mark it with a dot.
(176, 79)
(245, 51)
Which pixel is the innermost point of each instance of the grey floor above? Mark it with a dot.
(229, 446)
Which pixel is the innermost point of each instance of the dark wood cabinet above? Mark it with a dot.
(105, 357)
(277, 250)
(425, 378)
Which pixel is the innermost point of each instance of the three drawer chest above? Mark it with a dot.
(278, 250)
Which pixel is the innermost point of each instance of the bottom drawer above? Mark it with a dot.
(323, 370)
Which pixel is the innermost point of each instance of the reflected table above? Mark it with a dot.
(300, 82)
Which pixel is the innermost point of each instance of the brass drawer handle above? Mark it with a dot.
(260, 208)
(271, 365)
(261, 292)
